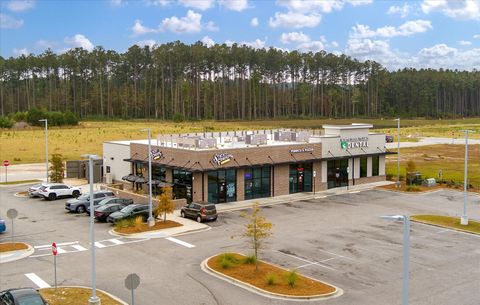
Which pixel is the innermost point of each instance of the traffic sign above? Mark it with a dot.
(6, 163)
(12, 213)
(131, 283)
(54, 249)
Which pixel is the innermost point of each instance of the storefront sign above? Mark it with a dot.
(301, 150)
(222, 158)
(354, 142)
(156, 154)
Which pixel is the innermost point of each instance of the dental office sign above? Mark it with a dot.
(358, 142)
(222, 158)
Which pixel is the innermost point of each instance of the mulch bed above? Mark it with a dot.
(145, 228)
(73, 296)
(247, 273)
(5, 247)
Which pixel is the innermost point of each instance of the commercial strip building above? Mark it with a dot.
(238, 165)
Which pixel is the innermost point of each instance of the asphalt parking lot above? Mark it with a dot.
(338, 239)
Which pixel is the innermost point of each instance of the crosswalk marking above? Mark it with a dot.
(99, 245)
(79, 248)
(116, 241)
(60, 250)
(180, 242)
(58, 245)
(37, 280)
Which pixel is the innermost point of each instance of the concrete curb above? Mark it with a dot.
(115, 298)
(155, 232)
(338, 292)
(16, 255)
(444, 227)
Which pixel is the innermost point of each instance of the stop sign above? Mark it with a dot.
(6, 163)
(54, 249)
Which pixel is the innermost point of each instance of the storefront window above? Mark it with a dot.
(257, 182)
(363, 167)
(222, 186)
(158, 173)
(375, 165)
(139, 169)
(300, 177)
(182, 184)
(337, 173)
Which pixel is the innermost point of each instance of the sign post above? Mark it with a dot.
(314, 175)
(12, 214)
(6, 164)
(132, 281)
(55, 252)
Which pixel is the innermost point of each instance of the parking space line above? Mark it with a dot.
(337, 255)
(116, 241)
(60, 250)
(310, 263)
(180, 242)
(79, 248)
(99, 245)
(37, 280)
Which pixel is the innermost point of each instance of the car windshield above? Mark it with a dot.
(127, 209)
(30, 300)
(105, 201)
(84, 197)
(103, 208)
(43, 187)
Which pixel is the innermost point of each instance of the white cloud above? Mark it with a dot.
(334, 44)
(313, 46)
(20, 52)
(294, 37)
(403, 11)
(234, 5)
(438, 50)
(158, 2)
(464, 42)
(116, 2)
(463, 10)
(208, 41)
(210, 26)
(360, 2)
(294, 20)
(476, 36)
(310, 6)
(254, 22)
(229, 43)
(406, 29)
(20, 5)
(138, 29)
(198, 4)
(79, 41)
(146, 42)
(191, 23)
(9, 22)
(256, 44)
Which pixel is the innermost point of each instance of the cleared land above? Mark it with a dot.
(448, 222)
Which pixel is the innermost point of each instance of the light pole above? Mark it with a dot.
(398, 152)
(406, 253)
(151, 220)
(464, 218)
(46, 145)
(94, 299)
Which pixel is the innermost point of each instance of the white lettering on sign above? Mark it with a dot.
(156, 154)
(301, 150)
(222, 158)
(354, 142)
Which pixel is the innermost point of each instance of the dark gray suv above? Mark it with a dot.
(200, 211)
(80, 204)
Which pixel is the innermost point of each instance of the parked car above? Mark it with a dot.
(388, 138)
(21, 296)
(55, 190)
(129, 211)
(80, 204)
(199, 211)
(103, 211)
(3, 227)
(123, 201)
(34, 191)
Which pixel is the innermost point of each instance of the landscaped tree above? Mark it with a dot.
(256, 230)
(57, 168)
(165, 203)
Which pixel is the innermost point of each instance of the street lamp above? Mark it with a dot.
(94, 299)
(46, 145)
(406, 252)
(151, 220)
(398, 153)
(464, 218)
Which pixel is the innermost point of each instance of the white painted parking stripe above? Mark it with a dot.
(116, 241)
(79, 248)
(309, 262)
(180, 242)
(58, 245)
(37, 280)
(354, 192)
(60, 250)
(99, 245)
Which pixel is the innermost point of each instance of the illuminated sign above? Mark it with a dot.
(301, 150)
(156, 154)
(354, 142)
(222, 158)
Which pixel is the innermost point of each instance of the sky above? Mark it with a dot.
(397, 34)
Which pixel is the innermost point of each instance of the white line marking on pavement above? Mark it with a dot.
(60, 250)
(337, 255)
(79, 248)
(180, 242)
(39, 255)
(354, 192)
(37, 280)
(58, 245)
(116, 241)
(441, 231)
(99, 245)
(309, 262)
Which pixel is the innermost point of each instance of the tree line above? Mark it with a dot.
(228, 82)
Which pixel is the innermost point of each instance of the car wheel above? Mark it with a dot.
(80, 209)
(76, 194)
(199, 219)
(52, 196)
(182, 213)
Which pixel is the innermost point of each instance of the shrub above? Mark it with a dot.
(19, 116)
(411, 167)
(178, 118)
(55, 118)
(5, 122)
(138, 222)
(389, 177)
(35, 114)
(412, 188)
(292, 278)
(271, 279)
(226, 261)
(70, 118)
(250, 260)
(124, 223)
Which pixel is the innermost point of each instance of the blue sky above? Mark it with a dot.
(421, 34)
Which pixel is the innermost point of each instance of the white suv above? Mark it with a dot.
(54, 190)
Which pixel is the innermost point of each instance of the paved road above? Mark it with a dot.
(432, 141)
(339, 239)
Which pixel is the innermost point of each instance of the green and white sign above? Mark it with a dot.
(344, 144)
(358, 142)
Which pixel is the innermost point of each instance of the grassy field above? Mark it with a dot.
(27, 146)
(448, 222)
(447, 158)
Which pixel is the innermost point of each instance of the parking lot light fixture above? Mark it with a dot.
(406, 253)
(151, 220)
(46, 145)
(464, 218)
(398, 153)
(94, 299)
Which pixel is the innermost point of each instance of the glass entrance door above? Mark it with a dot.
(222, 191)
(337, 173)
(300, 177)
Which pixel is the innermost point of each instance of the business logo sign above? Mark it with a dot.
(301, 150)
(223, 158)
(156, 154)
(359, 142)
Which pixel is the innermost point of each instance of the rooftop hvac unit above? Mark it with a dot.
(256, 139)
(109, 178)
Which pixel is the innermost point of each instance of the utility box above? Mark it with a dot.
(414, 178)
(429, 182)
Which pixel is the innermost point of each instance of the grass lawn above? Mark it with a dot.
(245, 272)
(20, 182)
(421, 188)
(73, 296)
(135, 228)
(5, 247)
(27, 146)
(448, 222)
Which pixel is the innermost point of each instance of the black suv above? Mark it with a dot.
(130, 211)
(123, 201)
(200, 211)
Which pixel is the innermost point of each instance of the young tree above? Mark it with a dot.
(165, 203)
(256, 230)
(57, 168)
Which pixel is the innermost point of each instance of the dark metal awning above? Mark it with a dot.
(130, 178)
